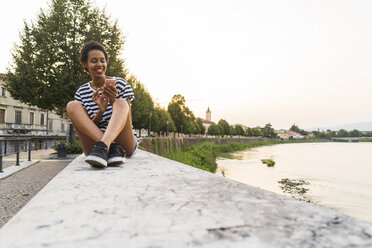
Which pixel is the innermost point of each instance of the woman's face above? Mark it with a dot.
(96, 64)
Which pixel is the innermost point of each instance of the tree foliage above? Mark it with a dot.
(239, 130)
(182, 116)
(257, 132)
(296, 129)
(45, 71)
(269, 132)
(355, 133)
(200, 127)
(159, 121)
(214, 130)
(225, 127)
(142, 106)
(340, 133)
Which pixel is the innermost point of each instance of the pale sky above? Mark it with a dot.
(252, 62)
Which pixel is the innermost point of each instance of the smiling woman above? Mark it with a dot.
(101, 111)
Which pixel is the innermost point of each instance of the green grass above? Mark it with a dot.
(203, 155)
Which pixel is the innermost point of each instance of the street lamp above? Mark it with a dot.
(149, 131)
(167, 127)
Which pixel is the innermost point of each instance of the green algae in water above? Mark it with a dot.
(268, 162)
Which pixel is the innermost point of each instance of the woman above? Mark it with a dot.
(101, 111)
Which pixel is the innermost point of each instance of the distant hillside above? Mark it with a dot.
(361, 126)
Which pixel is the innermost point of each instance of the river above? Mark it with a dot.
(335, 175)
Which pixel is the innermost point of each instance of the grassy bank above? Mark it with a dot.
(203, 155)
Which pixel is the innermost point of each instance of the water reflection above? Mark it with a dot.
(336, 175)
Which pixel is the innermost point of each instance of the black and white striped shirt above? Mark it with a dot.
(84, 96)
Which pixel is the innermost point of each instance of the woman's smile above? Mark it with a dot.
(96, 64)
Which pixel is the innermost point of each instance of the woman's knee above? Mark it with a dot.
(72, 106)
(120, 102)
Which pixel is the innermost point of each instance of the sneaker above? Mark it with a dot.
(98, 155)
(116, 155)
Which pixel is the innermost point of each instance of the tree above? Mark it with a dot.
(200, 126)
(355, 133)
(330, 133)
(159, 120)
(342, 133)
(225, 126)
(45, 71)
(296, 129)
(189, 126)
(320, 134)
(249, 132)
(269, 132)
(182, 116)
(239, 130)
(213, 129)
(257, 132)
(142, 106)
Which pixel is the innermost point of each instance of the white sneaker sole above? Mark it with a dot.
(96, 161)
(115, 161)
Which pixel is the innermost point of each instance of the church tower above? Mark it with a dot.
(208, 115)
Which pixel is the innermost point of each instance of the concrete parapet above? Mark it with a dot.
(155, 202)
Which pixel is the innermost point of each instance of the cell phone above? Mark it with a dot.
(110, 81)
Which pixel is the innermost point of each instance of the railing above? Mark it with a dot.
(11, 145)
(17, 150)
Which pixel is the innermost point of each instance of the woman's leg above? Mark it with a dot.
(119, 128)
(126, 137)
(86, 129)
(87, 143)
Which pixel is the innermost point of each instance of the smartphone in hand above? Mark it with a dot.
(110, 81)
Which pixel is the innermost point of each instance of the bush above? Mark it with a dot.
(202, 156)
(72, 148)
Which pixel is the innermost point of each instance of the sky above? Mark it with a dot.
(251, 62)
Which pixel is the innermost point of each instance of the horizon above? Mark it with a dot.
(251, 62)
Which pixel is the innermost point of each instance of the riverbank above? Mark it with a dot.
(202, 152)
(203, 155)
(163, 146)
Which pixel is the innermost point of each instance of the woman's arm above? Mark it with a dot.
(97, 118)
(102, 103)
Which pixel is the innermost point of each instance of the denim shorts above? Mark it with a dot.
(135, 146)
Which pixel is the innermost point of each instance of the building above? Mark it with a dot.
(208, 119)
(19, 118)
(285, 134)
(208, 115)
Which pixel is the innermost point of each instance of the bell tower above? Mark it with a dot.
(208, 115)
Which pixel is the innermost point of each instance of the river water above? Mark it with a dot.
(335, 175)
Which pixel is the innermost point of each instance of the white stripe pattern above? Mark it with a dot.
(84, 96)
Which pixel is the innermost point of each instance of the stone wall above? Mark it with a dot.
(162, 146)
(151, 201)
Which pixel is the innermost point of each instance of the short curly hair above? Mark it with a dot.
(89, 46)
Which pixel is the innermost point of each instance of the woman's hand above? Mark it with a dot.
(100, 99)
(110, 92)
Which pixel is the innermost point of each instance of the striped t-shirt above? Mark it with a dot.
(84, 96)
